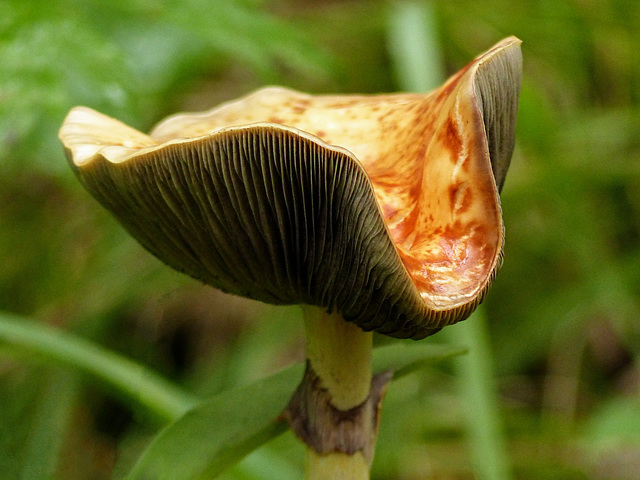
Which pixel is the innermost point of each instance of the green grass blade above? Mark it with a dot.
(140, 384)
(477, 382)
(411, 39)
(52, 416)
(413, 47)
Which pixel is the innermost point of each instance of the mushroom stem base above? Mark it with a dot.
(336, 466)
(336, 408)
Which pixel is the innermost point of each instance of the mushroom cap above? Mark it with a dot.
(382, 207)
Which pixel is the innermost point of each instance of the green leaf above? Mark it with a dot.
(221, 431)
(218, 433)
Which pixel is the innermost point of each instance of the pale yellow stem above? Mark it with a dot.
(336, 466)
(339, 353)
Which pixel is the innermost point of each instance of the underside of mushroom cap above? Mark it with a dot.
(384, 208)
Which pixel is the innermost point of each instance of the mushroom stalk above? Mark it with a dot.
(335, 409)
(336, 466)
(340, 354)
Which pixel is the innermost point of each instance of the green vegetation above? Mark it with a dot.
(559, 356)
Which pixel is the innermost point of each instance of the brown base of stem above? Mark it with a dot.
(325, 428)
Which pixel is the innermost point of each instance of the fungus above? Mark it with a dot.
(375, 212)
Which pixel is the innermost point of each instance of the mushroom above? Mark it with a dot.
(375, 212)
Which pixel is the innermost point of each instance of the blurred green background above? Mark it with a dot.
(562, 314)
